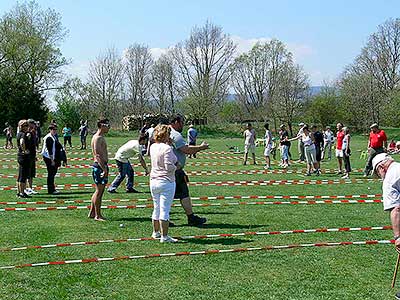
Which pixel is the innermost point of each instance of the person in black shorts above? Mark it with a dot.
(23, 158)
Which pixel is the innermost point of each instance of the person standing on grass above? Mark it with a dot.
(388, 170)
(346, 152)
(83, 132)
(319, 144)
(9, 135)
(192, 137)
(32, 146)
(23, 158)
(100, 168)
(249, 143)
(67, 134)
(181, 149)
(162, 182)
(124, 153)
(339, 147)
(328, 140)
(284, 144)
(377, 143)
(300, 145)
(268, 146)
(53, 153)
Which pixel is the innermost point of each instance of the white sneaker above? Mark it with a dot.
(345, 176)
(168, 239)
(28, 191)
(156, 235)
(33, 192)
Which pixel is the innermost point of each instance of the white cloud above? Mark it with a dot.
(78, 68)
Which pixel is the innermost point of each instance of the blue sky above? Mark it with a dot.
(324, 36)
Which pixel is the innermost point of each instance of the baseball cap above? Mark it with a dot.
(375, 125)
(378, 159)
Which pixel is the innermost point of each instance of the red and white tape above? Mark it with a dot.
(74, 207)
(204, 236)
(194, 173)
(202, 198)
(219, 183)
(204, 252)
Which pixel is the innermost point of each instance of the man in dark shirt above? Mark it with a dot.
(319, 144)
(283, 137)
(23, 158)
(31, 145)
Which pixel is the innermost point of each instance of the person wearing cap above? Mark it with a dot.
(284, 144)
(328, 141)
(23, 158)
(377, 143)
(300, 145)
(192, 137)
(249, 143)
(388, 170)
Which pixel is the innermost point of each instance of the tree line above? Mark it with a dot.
(202, 76)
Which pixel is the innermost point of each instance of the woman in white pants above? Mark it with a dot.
(162, 182)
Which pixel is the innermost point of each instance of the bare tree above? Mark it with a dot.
(164, 84)
(203, 62)
(106, 75)
(138, 71)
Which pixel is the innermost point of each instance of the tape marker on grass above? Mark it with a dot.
(191, 253)
(310, 202)
(203, 198)
(205, 236)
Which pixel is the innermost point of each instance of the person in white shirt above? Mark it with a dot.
(328, 141)
(268, 146)
(300, 145)
(249, 143)
(124, 153)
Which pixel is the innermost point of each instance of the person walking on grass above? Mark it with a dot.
(346, 152)
(130, 149)
(377, 143)
(339, 147)
(249, 143)
(268, 146)
(162, 182)
(388, 170)
(100, 168)
(67, 134)
(53, 154)
(23, 158)
(181, 149)
(9, 135)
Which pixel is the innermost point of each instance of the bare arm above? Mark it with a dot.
(190, 149)
(395, 219)
(143, 163)
(99, 152)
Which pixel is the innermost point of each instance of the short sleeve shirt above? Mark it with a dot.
(282, 135)
(376, 139)
(391, 187)
(249, 136)
(339, 137)
(268, 136)
(67, 131)
(127, 151)
(178, 142)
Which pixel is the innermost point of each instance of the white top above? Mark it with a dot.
(249, 136)
(391, 187)
(328, 136)
(306, 139)
(163, 162)
(127, 151)
(45, 151)
(150, 132)
(268, 136)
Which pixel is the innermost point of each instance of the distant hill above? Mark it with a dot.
(314, 90)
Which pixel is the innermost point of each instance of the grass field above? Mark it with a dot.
(342, 272)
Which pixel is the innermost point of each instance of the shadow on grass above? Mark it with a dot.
(219, 241)
(204, 213)
(232, 226)
(133, 219)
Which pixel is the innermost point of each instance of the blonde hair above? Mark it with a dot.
(22, 123)
(161, 133)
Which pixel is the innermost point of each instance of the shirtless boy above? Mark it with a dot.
(100, 168)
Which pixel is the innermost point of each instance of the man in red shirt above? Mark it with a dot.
(377, 143)
(339, 144)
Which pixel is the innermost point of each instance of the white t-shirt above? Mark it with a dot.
(391, 187)
(268, 136)
(127, 151)
(250, 137)
(328, 136)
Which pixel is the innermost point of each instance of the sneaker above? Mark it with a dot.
(30, 191)
(55, 192)
(345, 176)
(397, 296)
(194, 220)
(168, 239)
(112, 191)
(156, 235)
(132, 191)
(23, 195)
(365, 175)
(339, 172)
(307, 174)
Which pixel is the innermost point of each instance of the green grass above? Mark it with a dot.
(347, 272)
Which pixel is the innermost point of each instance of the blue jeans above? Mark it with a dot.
(124, 169)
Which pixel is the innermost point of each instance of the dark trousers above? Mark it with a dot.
(372, 153)
(51, 173)
(346, 159)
